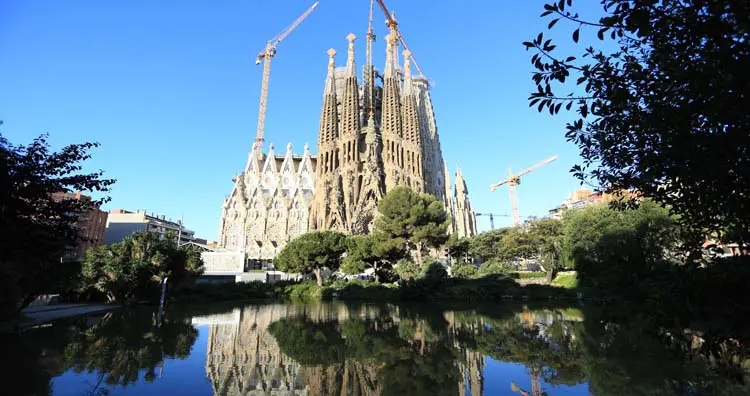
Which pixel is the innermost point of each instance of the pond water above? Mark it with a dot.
(370, 349)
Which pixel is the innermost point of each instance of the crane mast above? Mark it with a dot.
(393, 25)
(266, 56)
(513, 181)
(369, 68)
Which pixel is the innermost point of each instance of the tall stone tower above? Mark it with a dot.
(369, 144)
(464, 220)
(391, 126)
(328, 208)
(412, 133)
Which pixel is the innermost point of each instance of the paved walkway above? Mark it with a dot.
(48, 313)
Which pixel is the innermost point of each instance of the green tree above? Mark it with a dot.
(35, 227)
(418, 219)
(507, 244)
(311, 252)
(434, 271)
(548, 236)
(650, 116)
(485, 245)
(463, 270)
(371, 251)
(458, 248)
(517, 243)
(619, 249)
(495, 266)
(407, 269)
(122, 270)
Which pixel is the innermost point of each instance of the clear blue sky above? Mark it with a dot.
(170, 90)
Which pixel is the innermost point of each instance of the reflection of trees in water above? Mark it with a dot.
(628, 353)
(125, 343)
(434, 352)
(337, 349)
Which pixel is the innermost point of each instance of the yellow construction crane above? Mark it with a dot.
(513, 181)
(266, 56)
(393, 25)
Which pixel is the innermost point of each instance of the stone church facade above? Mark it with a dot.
(372, 138)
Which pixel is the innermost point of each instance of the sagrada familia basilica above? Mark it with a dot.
(372, 138)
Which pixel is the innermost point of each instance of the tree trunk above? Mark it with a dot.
(318, 278)
(418, 255)
(421, 339)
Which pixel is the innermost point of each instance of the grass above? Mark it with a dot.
(568, 281)
(530, 275)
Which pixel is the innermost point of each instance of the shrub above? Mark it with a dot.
(434, 271)
(304, 291)
(494, 267)
(407, 269)
(358, 289)
(464, 271)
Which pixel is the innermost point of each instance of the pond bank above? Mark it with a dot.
(36, 316)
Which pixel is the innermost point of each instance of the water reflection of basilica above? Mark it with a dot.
(243, 358)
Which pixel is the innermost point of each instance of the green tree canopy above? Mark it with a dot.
(370, 251)
(418, 219)
(457, 247)
(662, 98)
(311, 252)
(122, 269)
(612, 248)
(548, 234)
(485, 246)
(36, 227)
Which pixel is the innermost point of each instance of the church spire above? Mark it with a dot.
(391, 126)
(350, 125)
(350, 132)
(329, 121)
(350, 72)
(465, 220)
(326, 209)
(408, 90)
(331, 76)
(412, 140)
(368, 73)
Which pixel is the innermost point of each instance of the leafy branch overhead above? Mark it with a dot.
(36, 225)
(661, 93)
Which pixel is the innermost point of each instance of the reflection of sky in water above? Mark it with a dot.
(179, 377)
(499, 375)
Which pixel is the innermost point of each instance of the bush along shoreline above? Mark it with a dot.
(488, 288)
